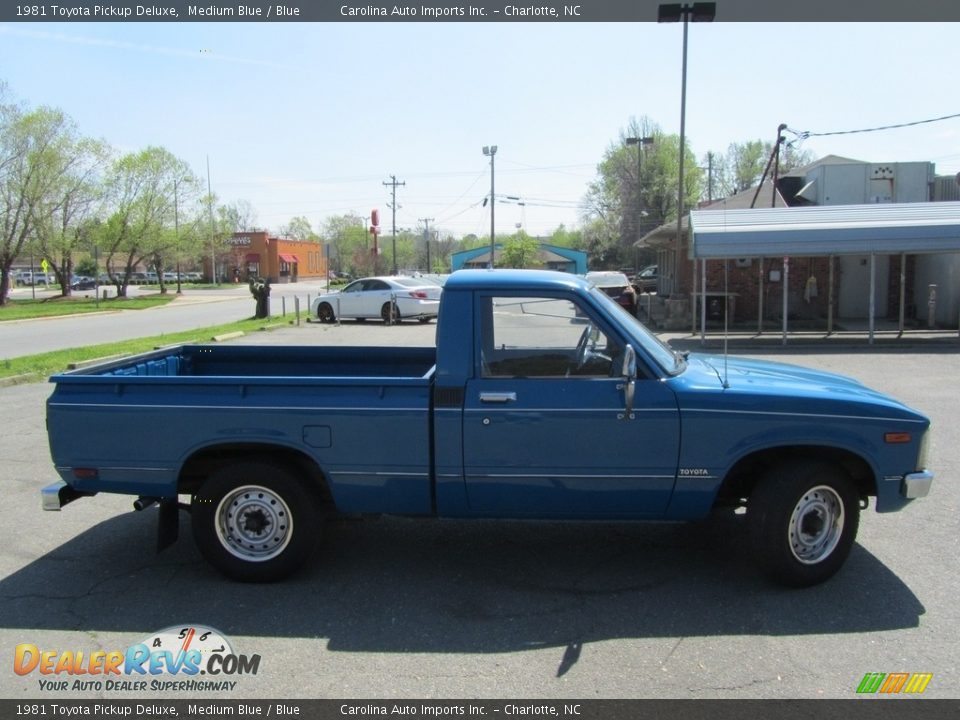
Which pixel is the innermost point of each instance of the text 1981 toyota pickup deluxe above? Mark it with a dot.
(543, 399)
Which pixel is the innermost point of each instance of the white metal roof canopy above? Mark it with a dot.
(911, 228)
(881, 229)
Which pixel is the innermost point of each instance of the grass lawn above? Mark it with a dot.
(52, 307)
(37, 367)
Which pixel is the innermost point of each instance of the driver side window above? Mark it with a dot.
(543, 337)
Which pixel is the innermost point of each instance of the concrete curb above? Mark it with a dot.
(19, 379)
(228, 336)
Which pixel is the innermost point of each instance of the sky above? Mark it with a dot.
(311, 119)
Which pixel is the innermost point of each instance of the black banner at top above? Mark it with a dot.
(430, 11)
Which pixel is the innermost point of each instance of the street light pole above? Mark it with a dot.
(698, 12)
(176, 229)
(491, 151)
(640, 142)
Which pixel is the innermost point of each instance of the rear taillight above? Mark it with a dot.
(419, 294)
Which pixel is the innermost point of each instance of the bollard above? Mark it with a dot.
(283, 306)
(296, 308)
(932, 306)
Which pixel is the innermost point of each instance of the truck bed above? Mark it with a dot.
(360, 414)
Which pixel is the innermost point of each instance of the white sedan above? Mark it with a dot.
(389, 298)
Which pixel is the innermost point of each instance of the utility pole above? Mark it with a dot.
(176, 229)
(491, 152)
(393, 206)
(710, 177)
(213, 249)
(426, 238)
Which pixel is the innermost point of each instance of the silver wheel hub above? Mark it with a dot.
(816, 525)
(254, 523)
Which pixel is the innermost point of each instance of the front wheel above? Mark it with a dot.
(803, 520)
(255, 521)
(325, 313)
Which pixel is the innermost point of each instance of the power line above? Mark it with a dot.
(803, 135)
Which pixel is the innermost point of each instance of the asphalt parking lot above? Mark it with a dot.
(403, 608)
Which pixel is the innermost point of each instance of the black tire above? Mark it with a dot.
(255, 521)
(325, 313)
(803, 520)
(385, 313)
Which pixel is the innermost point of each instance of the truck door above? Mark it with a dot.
(545, 432)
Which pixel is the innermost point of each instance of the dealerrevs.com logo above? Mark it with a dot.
(187, 658)
(894, 683)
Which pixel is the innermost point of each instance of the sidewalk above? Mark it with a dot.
(855, 335)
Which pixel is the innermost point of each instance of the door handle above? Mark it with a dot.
(498, 397)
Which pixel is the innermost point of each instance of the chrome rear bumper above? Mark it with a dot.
(58, 494)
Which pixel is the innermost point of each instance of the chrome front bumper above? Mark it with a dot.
(58, 494)
(916, 485)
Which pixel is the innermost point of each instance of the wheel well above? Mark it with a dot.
(744, 475)
(205, 462)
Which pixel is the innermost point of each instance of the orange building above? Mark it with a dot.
(257, 254)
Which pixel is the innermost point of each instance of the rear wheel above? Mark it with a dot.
(385, 313)
(255, 521)
(325, 313)
(803, 521)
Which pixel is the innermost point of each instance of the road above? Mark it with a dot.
(193, 309)
(406, 608)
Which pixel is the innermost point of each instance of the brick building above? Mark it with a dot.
(279, 260)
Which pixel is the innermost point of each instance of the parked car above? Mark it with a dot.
(27, 277)
(646, 279)
(82, 282)
(388, 298)
(617, 286)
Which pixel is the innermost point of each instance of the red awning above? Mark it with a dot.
(289, 258)
(253, 257)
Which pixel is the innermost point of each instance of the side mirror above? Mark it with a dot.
(629, 371)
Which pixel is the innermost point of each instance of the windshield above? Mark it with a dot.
(666, 357)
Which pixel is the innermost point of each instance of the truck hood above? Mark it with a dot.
(766, 383)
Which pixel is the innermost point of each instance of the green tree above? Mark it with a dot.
(69, 214)
(240, 215)
(299, 229)
(141, 189)
(519, 250)
(631, 195)
(561, 237)
(350, 243)
(742, 166)
(35, 158)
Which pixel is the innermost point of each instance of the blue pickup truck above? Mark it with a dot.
(542, 399)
